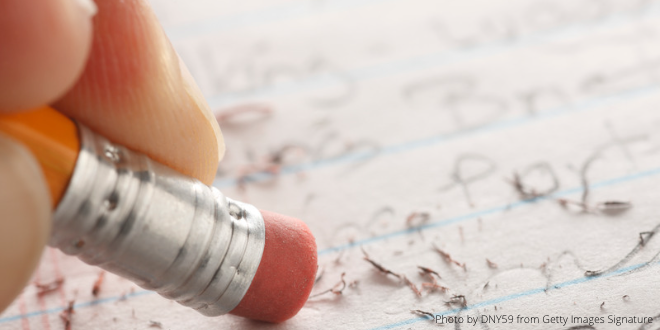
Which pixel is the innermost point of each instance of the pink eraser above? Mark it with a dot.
(285, 276)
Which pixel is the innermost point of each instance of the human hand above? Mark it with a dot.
(110, 66)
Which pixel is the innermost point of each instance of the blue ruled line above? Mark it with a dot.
(514, 296)
(474, 215)
(389, 150)
(264, 16)
(408, 146)
(75, 306)
(428, 61)
(493, 210)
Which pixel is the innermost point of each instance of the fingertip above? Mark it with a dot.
(197, 97)
(135, 91)
(25, 222)
(43, 48)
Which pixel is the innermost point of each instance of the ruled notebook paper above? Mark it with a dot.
(398, 128)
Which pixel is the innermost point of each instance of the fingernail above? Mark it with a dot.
(87, 6)
(196, 96)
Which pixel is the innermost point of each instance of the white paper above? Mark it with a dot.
(394, 107)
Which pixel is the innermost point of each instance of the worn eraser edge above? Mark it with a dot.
(285, 276)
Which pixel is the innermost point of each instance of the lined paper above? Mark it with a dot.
(397, 129)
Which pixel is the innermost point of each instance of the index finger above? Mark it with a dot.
(135, 91)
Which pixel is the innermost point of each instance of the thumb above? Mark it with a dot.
(24, 218)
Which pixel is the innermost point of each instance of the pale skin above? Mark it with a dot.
(111, 68)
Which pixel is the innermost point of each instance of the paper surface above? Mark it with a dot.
(388, 107)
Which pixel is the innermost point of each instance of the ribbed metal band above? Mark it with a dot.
(164, 231)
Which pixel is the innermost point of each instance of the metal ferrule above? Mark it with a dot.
(165, 231)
